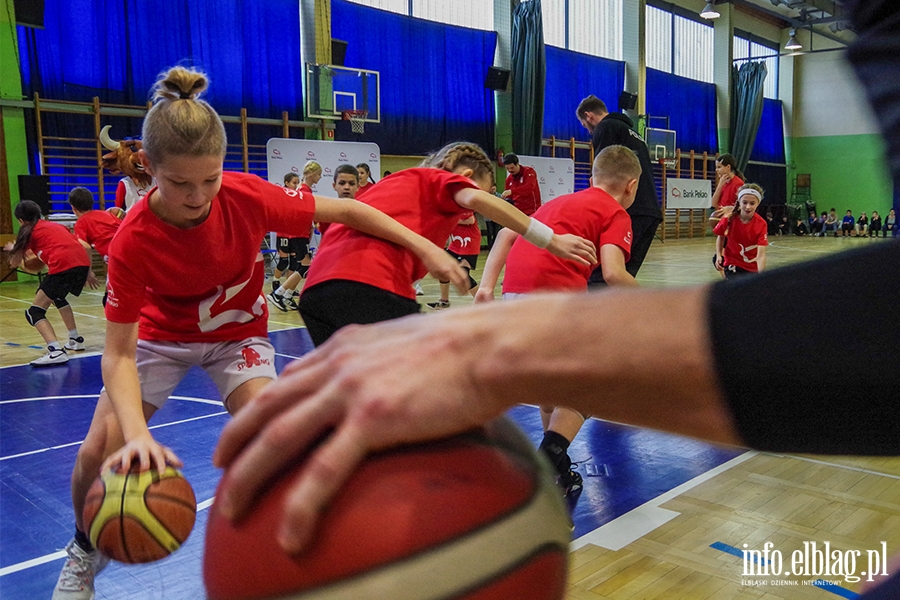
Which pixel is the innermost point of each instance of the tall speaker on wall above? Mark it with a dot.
(37, 189)
(627, 101)
(497, 78)
(338, 52)
(29, 13)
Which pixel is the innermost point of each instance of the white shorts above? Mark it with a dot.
(162, 365)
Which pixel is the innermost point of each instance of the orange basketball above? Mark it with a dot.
(140, 517)
(476, 516)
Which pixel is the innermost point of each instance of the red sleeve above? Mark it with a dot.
(618, 233)
(720, 227)
(762, 233)
(126, 293)
(120, 194)
(289, 212)
(81, 230)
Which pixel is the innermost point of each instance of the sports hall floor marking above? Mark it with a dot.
(640, 521)
(40, 560)
(159, 426)
(62, 553)
(29, 303)
(838, 465)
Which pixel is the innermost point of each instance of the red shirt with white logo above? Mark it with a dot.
(422, 200)
(465, 240)
(728, 197)
(592, 214)
(57, 247)
(743, 240)
(526, 193)
(97, 228)
(202, 284)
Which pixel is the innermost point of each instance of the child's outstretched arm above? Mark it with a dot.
(495, 262)
(363, 217)
(567, 245)
(120, 378)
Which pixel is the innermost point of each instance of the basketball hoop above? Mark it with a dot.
(357, 119)
(670, 163)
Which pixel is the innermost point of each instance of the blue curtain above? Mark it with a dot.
(747, 83)
(690, 106)
(432, 78)
(571, 77)
(115, 50)
(529, 74)
(769, 146)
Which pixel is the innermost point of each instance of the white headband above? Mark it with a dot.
(750, 191)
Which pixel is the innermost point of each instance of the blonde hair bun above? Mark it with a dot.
(180, 83)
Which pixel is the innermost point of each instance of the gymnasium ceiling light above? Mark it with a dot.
(709, 11)
(792, 43)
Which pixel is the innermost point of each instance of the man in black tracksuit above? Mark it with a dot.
(608, 129)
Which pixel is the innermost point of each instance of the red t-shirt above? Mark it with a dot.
(729, 192)
(422, 200)
(363, 189)
(57, 247)
(743, 240)
(526, 194)
(592, 214)
(202, 284)
(465, 240)
(97, 228)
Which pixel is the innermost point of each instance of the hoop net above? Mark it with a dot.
(357, 119)
(670, 163)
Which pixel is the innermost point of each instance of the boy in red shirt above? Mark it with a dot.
(522, 187)
(599, 215)
(94, 229)
(746, 234)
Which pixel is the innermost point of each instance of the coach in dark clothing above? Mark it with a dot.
(608, 129)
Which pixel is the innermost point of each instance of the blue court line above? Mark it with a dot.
(733, 551)
(824, 585)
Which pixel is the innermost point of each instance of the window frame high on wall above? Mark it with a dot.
(681, 67)
(560, 18)
(463, 13)
(760, 48)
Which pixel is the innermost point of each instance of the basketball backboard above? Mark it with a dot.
(660, 143)
(331, 90)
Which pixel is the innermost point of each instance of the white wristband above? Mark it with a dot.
(539, 234)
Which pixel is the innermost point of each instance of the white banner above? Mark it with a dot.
(556, 176)
(688, 193)
(286, 155)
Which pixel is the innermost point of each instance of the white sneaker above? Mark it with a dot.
(75, 344)
(76, 581)
(56, 356)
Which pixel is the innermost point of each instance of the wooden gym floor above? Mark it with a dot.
(660, 516)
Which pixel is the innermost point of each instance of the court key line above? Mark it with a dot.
(34, 562)
(640, 521)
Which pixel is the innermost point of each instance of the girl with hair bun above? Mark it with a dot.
(167, 310)
(358, 279)
(746, 234)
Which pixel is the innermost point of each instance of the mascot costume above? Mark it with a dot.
(123, 159)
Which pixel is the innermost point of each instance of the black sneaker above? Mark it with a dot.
(571, 482)
(439, 305)
(291, 303)
(278, 301)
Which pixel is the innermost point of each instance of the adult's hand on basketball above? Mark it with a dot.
(572, 247)
(143, 452)
(363, 390)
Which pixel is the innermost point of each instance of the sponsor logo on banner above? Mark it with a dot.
(688, 193)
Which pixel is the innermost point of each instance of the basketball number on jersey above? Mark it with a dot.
(218, 303)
